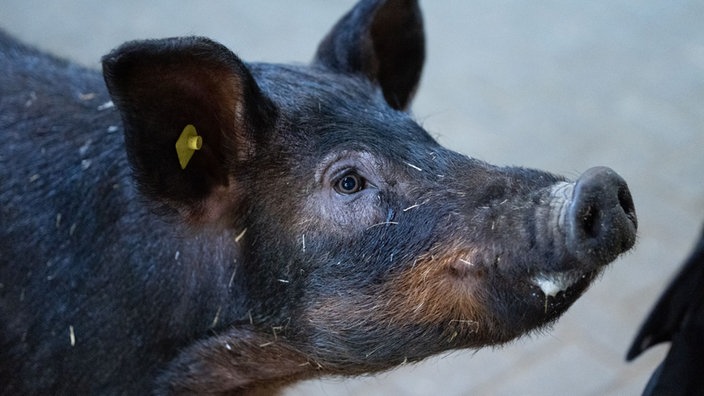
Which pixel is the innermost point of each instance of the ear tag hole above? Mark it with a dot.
(187, 144)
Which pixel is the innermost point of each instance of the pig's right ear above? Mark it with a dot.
(162, 86)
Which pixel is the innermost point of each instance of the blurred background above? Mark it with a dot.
(556, 85)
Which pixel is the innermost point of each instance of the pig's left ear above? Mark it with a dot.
(163, 87)
(383, 40)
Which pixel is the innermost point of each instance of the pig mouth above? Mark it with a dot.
(550, 294)
(553, 283)
(556, 291)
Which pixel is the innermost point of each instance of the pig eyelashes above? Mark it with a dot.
(349, 183)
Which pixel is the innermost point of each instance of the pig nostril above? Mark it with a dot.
(626, 202)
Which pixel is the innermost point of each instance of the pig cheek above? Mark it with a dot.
(437, 294)
(327, 214)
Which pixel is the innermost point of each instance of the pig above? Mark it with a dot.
(677, 318)
(306, 225)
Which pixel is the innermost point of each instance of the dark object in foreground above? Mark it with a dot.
(230, 228)
(678, 318)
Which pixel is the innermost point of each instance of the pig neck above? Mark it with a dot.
(244, 354)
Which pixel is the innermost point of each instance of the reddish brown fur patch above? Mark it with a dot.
(442, 287)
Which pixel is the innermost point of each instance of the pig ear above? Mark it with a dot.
(162, 86)
(383, 40)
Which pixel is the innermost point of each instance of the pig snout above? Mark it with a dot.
(601, 218)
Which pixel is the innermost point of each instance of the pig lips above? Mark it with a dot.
(555, 292)
(554, 283)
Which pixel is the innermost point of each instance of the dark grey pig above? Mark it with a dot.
(210, 226)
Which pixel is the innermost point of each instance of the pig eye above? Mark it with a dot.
(349, 184)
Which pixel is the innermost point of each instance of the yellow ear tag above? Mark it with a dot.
(187, 144)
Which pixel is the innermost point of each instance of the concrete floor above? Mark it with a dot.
(556, 85)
